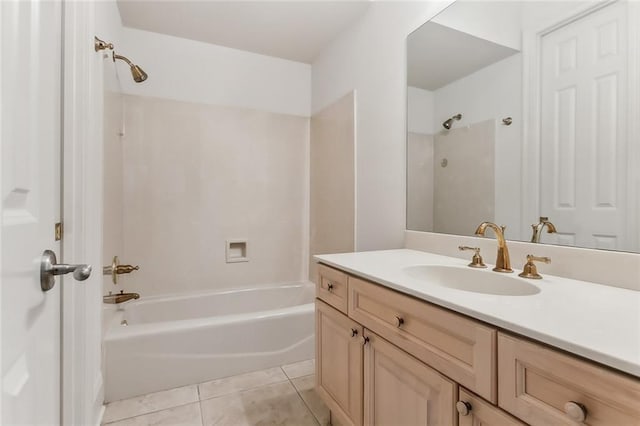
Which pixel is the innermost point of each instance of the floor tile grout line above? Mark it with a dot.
(150, 412)
(201, 413)
(317, 420)
(200, 406)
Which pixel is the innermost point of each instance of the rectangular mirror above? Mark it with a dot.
(525, 113)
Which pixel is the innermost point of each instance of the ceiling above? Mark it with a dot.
(294, 30)
(438, 55)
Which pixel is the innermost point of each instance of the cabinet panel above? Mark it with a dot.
(331, 287)
(458, 347)
(401, 391)
(482, 413)
(339, 357)
(547, 387)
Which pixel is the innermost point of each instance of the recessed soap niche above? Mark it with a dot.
(237, 251)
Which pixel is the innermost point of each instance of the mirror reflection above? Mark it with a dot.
(526, 114)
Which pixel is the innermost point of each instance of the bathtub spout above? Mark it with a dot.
(119, 297)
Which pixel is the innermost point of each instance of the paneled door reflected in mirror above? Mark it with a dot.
(526, 114)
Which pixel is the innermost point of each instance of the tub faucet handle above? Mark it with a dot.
(116, 269)
(126, 269)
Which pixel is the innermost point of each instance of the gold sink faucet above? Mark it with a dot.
(538, 227)
(503, 264)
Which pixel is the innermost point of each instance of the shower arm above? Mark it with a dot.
(116, 56)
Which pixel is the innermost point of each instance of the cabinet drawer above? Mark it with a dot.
(535, 384)
(482, 413)
(460, 348)
(331, 286)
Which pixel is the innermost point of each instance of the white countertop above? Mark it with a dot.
(598, 322)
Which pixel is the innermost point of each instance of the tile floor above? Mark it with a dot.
(276, 396)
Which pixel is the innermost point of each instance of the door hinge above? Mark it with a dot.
(58, 231)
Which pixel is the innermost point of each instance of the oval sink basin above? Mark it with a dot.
(472, 280)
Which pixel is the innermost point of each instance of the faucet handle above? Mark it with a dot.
(529, 270)
(476, 261)
(116, 269)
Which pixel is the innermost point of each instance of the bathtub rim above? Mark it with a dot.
(114, 330)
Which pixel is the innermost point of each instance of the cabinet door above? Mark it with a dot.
(473, 411)
(339, 352)
(399, 390)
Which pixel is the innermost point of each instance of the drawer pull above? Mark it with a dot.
(576, 411)
(399, 321)
(354, 332)
(365, 340)
(463, 407)
(329, 286)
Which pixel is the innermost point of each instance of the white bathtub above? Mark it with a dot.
(178, 340)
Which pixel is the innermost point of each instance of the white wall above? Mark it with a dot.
(420, 180)
(192, 71)
(420, 111)
(371, 58)
(109, 29)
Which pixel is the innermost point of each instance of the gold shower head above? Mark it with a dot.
(137, 73)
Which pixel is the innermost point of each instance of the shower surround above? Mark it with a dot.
(194, 176)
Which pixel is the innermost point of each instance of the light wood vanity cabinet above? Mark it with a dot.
(339, 358)
(331, 287)
(474, 411)
(543, 386)
(400, 390)
(460, 348)
(390, 359)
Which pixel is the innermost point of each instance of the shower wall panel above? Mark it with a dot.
(195, 176)
(332, 193)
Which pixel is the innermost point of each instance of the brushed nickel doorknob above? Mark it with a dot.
(49, 268)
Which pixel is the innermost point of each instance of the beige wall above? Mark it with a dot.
(332, 194)
(419, 181)
(196, 175)
(464, 190)
(113, 243)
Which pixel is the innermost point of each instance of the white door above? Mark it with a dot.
(583, 175)
(30, 162)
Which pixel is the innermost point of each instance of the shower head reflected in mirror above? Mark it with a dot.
(447, 123)
(137, 73)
